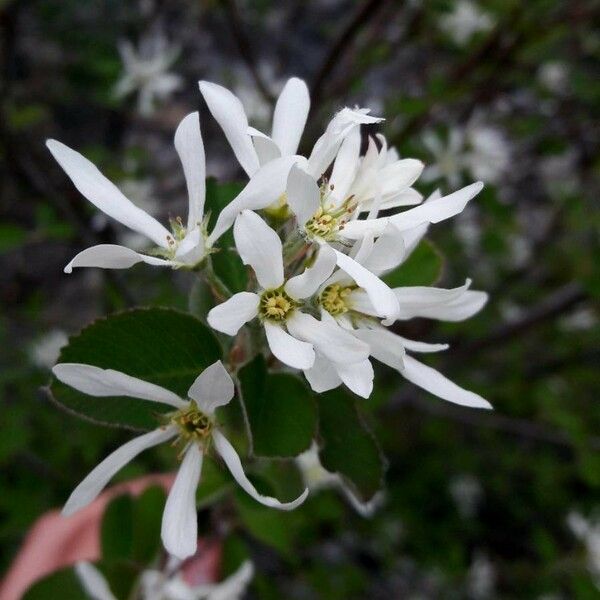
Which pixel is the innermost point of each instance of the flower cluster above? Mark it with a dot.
(320, 232)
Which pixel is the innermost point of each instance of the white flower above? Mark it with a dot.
(465, 20)
(188, 243)
(554, 76)
(344, 302)
(192, 423)
(293, 336)
(146, 71)
(316, 477)
(588, 532)
(159, 585)
(481, 578)
(44, 352)
(480, 149)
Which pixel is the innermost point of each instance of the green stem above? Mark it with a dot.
(219, 289)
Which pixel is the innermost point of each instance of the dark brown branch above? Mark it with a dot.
(361, 17)
(245, 48)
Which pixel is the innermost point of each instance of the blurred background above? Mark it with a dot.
(478, 505)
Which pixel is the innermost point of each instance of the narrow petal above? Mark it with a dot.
(385, 346)
(400, 175)
(323, 376)
(229, 316)
(382, 297)
(329, 339)
(93, 582)
(105, 195)
(289, 118)
(266, 186)
(345, 165)
(303, 195)
(422, 347)
(189, 146)
(328, 144)
(179, 531)
(464, 307)
(229, 113)
(289, 350)
(212, 388)
(358, 377)
(97, 479)
(387, 253)
(235, 585)
(435, 383)
(106, 382)
(232, 460)
(266, 149)
(308, 282)
(432, 211)
(260, 247)
(113, 256)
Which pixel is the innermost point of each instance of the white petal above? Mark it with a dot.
(266, 186)
(289, 350)
(303, 195)
(106, 382)
(322, 376)
(387, 253)
(400, 175)
(329, 339)
(266, 149)
(189, 146)
(232, 460)
(464, 307)
(385, 346)
(382, 297)
(435, 211)
(328, 144)
(358, 377)
(229, 316)
(179, 530)
(105, 195)
(345, 165)
(308, 282)
(212, 388)
(260, 247)
(234, 586)
(93, 582)
(432, 211)
(229, 113)
(94, 483)
(113, 256)
(289, 118)
(434, 382)
(416, 346)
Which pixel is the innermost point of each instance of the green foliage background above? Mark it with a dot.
(533, 351)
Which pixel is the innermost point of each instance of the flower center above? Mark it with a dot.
(334, 299)
(276, 305)
(322, 224)
(193, 424)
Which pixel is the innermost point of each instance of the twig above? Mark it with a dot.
(361, 17)
(517, 427)
(555, 304)
(245, 48)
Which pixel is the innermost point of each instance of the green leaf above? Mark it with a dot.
(11, 237)
(280, 409)
(158, 345)
(423, 267)
(347, 445)
(227, 264)
(62, 584)
(116, 533)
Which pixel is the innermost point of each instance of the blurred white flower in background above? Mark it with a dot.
(168, 584)
(554, 76)
(479, 149)
(587, 531)
(481, 578)
(146, 71)
(44, 352)
(316, 478)
(465, 20)
(467, 494)
(559, 173)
